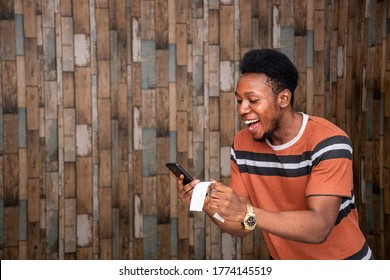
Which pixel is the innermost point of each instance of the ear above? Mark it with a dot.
(284, 98)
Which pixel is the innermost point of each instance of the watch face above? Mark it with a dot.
(251, 221)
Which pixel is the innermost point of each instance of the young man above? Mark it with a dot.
(291, 173)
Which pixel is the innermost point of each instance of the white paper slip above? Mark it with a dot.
(198, 196)
(218, 217)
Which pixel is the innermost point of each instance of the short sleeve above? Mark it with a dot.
(236, 182)
(331, 177)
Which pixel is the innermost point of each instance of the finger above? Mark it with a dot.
(219, 187)
(210, 188)
(180, 187)
(180, 179)
(187, 189)
(185, 193)
(215, 197)
(215, 188)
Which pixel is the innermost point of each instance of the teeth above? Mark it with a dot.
(251, 121)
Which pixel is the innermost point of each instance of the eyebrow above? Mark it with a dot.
(245, 93)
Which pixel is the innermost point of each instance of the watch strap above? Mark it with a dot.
(249, 217)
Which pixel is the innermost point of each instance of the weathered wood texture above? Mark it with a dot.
(96, 96)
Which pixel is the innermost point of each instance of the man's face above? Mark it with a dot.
(257, 105)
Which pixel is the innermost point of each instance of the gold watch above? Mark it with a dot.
(249, 222)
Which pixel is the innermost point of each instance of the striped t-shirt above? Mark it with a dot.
(318, 161)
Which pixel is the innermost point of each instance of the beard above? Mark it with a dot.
(274, 126)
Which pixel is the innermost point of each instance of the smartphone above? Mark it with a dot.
(177, 170)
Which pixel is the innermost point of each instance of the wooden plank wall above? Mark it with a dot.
(97, 95)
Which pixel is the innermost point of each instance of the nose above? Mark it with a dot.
(243, 107)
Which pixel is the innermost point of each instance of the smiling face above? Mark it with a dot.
(257, 105)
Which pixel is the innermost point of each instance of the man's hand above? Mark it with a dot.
(184, 193)
(224, 201)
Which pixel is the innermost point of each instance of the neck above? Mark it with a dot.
(290, 123)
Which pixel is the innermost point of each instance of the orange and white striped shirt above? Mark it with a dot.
(318, 161)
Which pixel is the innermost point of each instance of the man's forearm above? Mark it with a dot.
(310, 226)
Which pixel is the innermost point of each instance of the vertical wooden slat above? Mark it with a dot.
(226, 116)
(29, 18)
(11, 179)
(83, 95)
(69, 135)
(23, 167)
(181, 45)
(81, 22)
(84, 236)
(105, 213)
(70, 225)
(226, 27)
(246, 24)
(66, 8)
(49, 54)
(10, 97)
(82, 51)
(84, 185)
(21, 81)
(102, 29)
(104, 114)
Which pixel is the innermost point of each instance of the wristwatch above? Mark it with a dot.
(249, 222)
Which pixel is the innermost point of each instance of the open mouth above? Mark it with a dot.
(252, 124)
(249, 122)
